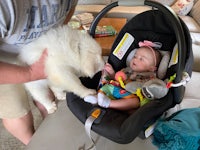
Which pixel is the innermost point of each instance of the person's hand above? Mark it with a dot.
(37, 70)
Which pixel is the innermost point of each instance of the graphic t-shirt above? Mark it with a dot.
(22, 21)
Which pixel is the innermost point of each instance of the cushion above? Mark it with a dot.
(183, 7)
(196, 11)
(162, 69)
(191, 23)
(195, 38)
(196, 65)
(166, 2)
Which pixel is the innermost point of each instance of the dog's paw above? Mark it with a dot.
(88, 92)
(52, 109)
(61, 96)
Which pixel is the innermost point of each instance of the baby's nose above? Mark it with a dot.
(135, 59)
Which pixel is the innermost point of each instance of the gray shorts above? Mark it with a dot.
(14, 101)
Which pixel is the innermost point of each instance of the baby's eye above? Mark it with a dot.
(141, 59)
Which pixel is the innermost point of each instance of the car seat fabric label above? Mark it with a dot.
(123, 46)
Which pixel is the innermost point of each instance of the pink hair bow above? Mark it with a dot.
(150, 44)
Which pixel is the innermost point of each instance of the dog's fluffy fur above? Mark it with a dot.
(71, 54)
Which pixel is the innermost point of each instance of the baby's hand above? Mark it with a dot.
(109, 69)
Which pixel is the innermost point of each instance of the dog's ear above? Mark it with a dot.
(91, 63)
(89, 43)
(75, 46)
(88, 64)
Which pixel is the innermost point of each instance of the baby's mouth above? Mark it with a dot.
(133, 65)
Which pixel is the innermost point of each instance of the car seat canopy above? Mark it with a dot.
(153, 28)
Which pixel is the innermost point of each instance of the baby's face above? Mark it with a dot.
(143, 60)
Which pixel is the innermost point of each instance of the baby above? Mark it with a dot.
(142, 67)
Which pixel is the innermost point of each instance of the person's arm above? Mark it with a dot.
(12, 74)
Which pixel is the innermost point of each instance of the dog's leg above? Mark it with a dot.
(71, 83)
(39, 90)
(59, 93)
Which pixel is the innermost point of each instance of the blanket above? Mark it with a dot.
(180, 131)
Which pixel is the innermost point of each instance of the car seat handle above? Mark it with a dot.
(109, 7)
(130, 2)
(99, 16)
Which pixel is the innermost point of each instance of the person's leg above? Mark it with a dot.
(15, 111)
(14, 107)
(22, 128)
(123, 100)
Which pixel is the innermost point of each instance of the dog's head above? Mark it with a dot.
(91, 56)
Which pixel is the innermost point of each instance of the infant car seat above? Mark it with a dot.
(162, 25)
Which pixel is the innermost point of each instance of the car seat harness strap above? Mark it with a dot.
(95, 116)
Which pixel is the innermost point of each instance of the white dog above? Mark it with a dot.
(71, 54)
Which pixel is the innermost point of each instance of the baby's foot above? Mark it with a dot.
(91, 99)
(103, 100)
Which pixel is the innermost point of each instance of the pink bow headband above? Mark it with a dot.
(150, 44)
